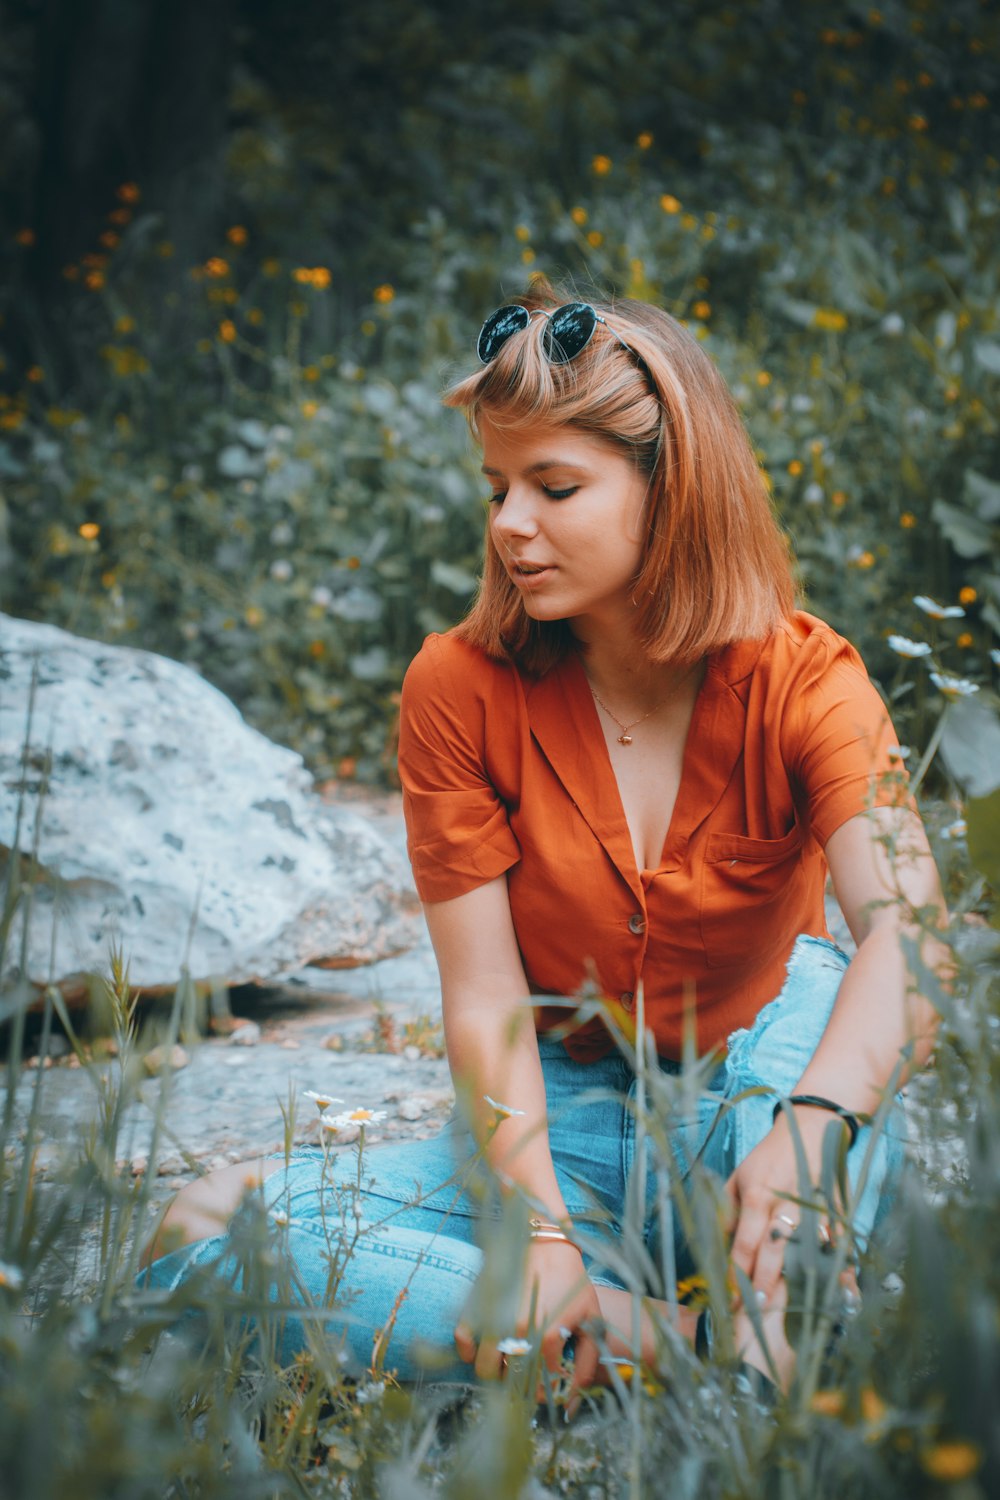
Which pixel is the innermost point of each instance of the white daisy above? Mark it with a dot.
(956, 830)
(352, 1117)
(938, 611)
(321, 1100)
(503, 1110)
(899, 752)
(903, 646)
(512, 1347)
(953, 687)
(279, 1217)
(995, 658)
(11, 1276)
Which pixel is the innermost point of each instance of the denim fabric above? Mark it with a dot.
(430, 1246)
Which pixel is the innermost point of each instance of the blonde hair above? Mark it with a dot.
(715, 565)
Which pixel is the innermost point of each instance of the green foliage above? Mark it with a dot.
(277, 496)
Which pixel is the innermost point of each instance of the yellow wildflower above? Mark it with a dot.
(384, 293)
(120, 216)
(795, 468)
(309, 409)
(255, 316)
(670, 204)
(527, 256)
(129, 192)
(908, 520)
(595, 237)
(368, 327)
(317, 648)
(968, 595)
(271, 266)
(522, 232)
(873, 1408)
(227, 331)
(109, 239)
(828, 1403)
(865, 560)
(601, 166)
(253, 615)
(90, 531)
(36, 375)
(644, 140)
(125, 325)
(310, 372)
(829, 318)
(917, 122)
(763, 378)
(216, 267)
(94, 280)
(10, 421)
(957, 1460)
(237, 235)
(688, 221)
(964, 641)
(25, 237)
(702, 309)
(578, 215)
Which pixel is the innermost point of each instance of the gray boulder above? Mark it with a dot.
(165, 824)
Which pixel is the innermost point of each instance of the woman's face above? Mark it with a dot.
(566, 521)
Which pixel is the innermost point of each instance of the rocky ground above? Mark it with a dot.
(371, 1036)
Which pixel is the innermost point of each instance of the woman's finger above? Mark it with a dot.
(465, 1343)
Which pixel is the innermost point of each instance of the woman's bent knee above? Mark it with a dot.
(204, 1207)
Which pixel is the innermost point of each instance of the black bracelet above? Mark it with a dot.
(849, 1118)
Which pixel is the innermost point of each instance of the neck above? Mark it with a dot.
(620, 671)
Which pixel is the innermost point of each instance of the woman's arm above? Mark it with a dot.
(887, 899)
(492, 1050)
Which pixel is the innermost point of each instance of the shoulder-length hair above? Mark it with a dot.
(715, 568)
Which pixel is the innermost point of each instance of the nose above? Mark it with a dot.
(516, 518)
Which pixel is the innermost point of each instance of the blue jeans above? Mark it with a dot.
(430, 1246)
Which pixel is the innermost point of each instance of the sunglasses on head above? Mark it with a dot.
(566, 333)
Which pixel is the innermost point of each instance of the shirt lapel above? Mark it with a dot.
(563, 720)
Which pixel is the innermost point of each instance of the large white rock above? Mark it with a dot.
(171, 827)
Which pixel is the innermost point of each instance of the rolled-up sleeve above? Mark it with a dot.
(457, 829)
(841, 748)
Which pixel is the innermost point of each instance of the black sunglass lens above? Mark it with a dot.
(498, 328)
(569, 330)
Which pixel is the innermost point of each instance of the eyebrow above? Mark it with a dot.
(543, 463)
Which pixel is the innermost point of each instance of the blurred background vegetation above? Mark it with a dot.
(244, 245)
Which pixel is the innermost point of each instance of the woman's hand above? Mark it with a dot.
(564, 1300)
(763, 1190)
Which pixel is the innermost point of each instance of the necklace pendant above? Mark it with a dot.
(624, 739)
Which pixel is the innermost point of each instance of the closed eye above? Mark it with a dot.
(561, 494)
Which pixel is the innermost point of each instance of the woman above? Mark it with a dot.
(629, 769)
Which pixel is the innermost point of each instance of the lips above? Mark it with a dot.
(529, 569)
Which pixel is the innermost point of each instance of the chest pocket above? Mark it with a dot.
(744, 888)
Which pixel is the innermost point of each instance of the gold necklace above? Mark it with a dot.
(625, 738)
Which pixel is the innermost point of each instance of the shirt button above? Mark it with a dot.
(637, 923)
(627, 999)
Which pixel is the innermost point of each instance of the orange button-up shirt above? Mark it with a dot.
(503, 772)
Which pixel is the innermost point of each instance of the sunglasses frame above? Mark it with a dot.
(493, 334)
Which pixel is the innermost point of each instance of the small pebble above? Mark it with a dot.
(247, 1034)
(156, 1059)
(411, 1109)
